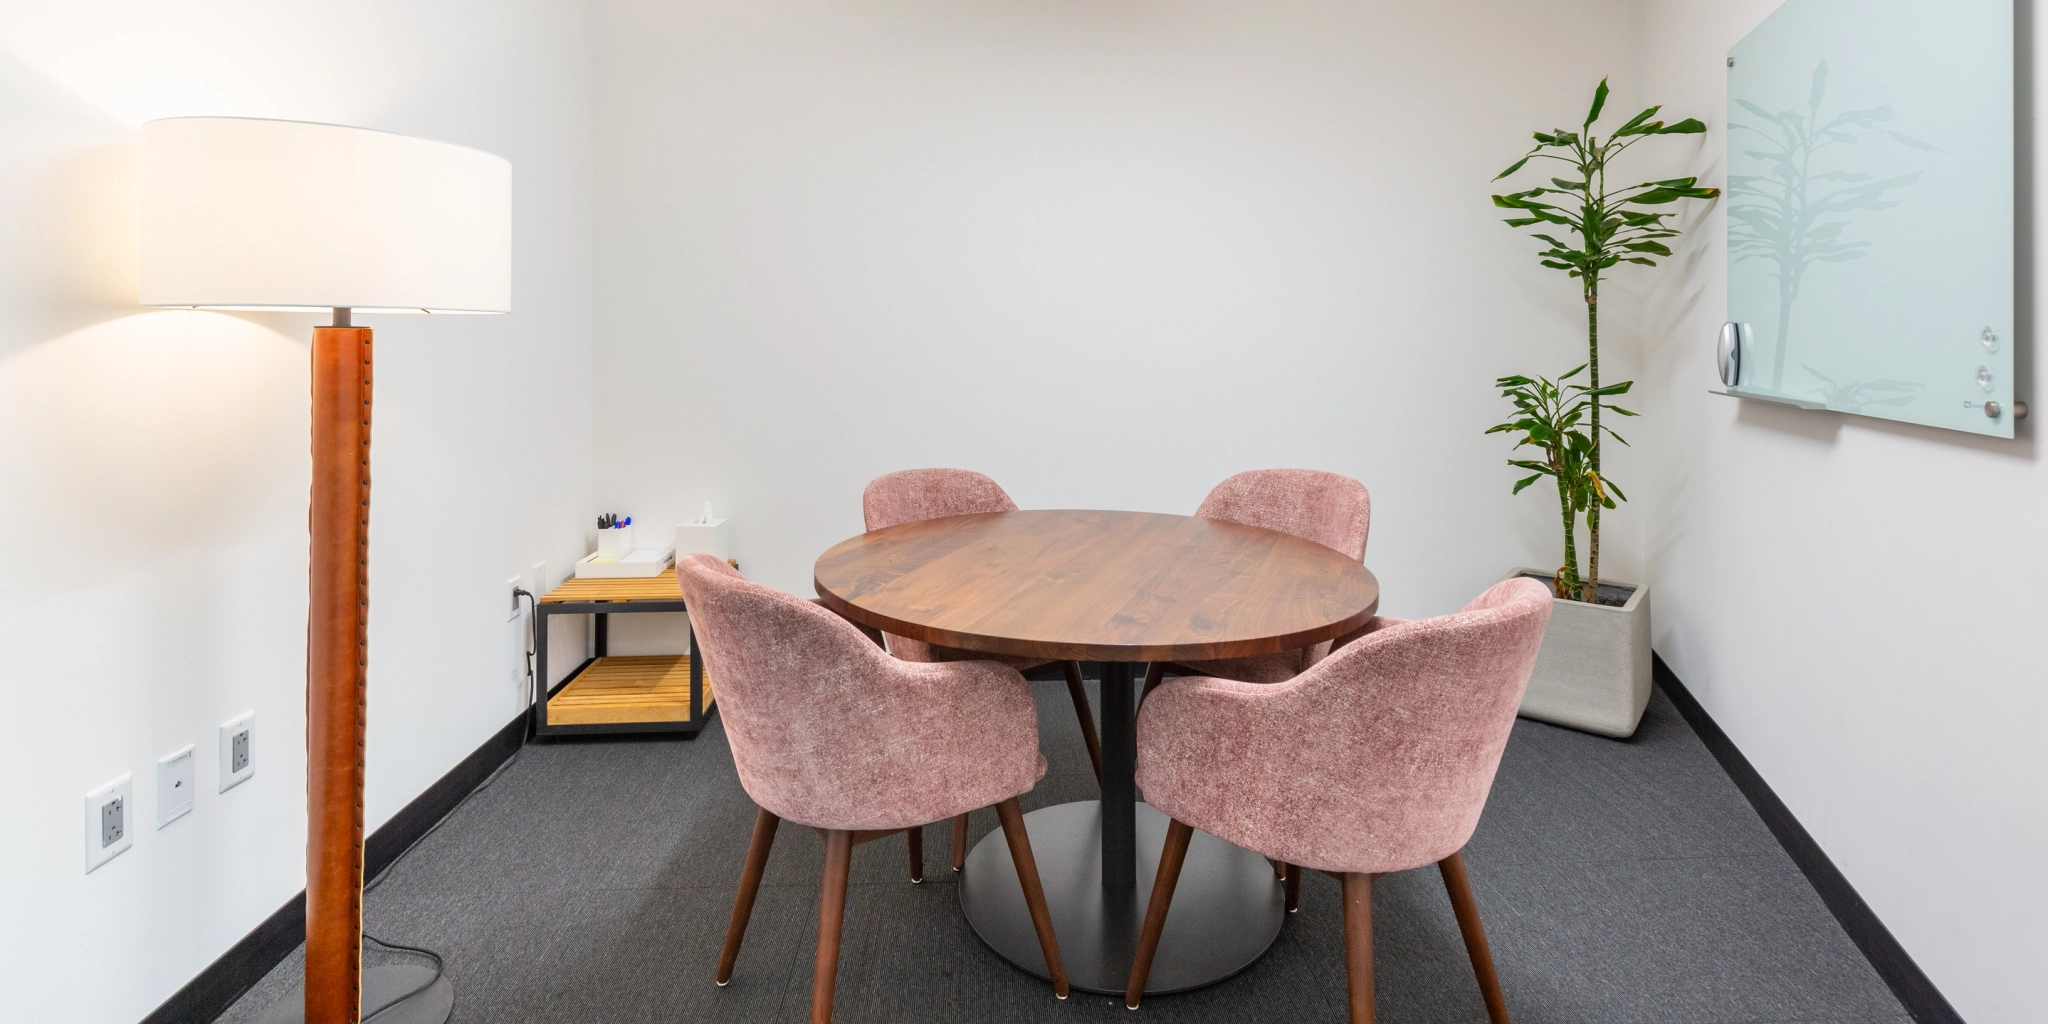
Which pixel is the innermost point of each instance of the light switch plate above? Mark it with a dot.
(176, 778)
(237, 750)
(109, 821)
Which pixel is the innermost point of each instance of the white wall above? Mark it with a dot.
(152, 517)
(1858, 602)
(1106, 253)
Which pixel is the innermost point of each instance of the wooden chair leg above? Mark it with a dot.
(1293, 888)
(1358, 944)
(750, 886)
(1170, 860)
(1155, 673)
(1279, 868)
(916, 837)
(1034, 893)
(1078, 690)
(1460, 888)
(831, 916)
(959, 842)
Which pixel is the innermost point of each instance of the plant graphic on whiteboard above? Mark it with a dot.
(1797, 213)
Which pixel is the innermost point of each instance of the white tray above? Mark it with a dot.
(640, 564)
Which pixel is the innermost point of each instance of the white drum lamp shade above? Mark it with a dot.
(245, 213)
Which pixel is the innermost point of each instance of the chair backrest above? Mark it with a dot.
(1334, 511)
(913, 494)
(1413, 720)
(795, 685)
(1379, 758)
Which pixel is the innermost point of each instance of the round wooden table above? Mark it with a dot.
(1119, 588)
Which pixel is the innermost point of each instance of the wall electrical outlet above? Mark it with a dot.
(176, 775)
(109, 814)
(512, 598)
(237, 750)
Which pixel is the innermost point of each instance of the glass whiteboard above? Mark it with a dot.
(1870, 209)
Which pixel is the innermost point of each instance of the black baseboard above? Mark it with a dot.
(1910, 984)
(245, 963)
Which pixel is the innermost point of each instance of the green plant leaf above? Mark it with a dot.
(1599, 100)
(1636, 122)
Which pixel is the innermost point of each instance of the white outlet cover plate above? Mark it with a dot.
(229, 777)
(109, 821)
(177, 778)
(512, 599)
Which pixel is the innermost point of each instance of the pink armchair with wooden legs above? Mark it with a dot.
(912, 495)
(827, 730)
(1390, 744)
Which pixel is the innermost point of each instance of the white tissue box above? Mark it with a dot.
(710, 538)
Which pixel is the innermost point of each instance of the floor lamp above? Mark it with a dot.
(250, 214)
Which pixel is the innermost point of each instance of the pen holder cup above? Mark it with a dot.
(615, 543)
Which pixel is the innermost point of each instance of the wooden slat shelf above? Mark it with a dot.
(639, 694)
(645, 588)
(643, 688)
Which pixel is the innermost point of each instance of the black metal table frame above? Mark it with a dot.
(601, 611)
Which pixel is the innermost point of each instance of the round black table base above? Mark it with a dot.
(1227, 909)
(392, 994)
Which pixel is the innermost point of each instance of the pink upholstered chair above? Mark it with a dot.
(911, 495)
(1334, 511)
(829, 731)
(1391, 745)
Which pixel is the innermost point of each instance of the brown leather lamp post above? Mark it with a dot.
(249, 214)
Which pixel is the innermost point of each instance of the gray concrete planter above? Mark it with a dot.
(1594, 670)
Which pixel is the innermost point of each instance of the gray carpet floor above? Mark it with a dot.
(1619, 882)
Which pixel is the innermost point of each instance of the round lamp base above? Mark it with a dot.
(391, 995)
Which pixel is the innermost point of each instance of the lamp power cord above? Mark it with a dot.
(440, 966)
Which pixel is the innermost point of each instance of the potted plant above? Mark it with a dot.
(1594, 669)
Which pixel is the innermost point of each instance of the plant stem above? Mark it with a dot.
(1592, 583)
(1567, 581)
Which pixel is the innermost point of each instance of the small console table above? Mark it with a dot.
(607, 694)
